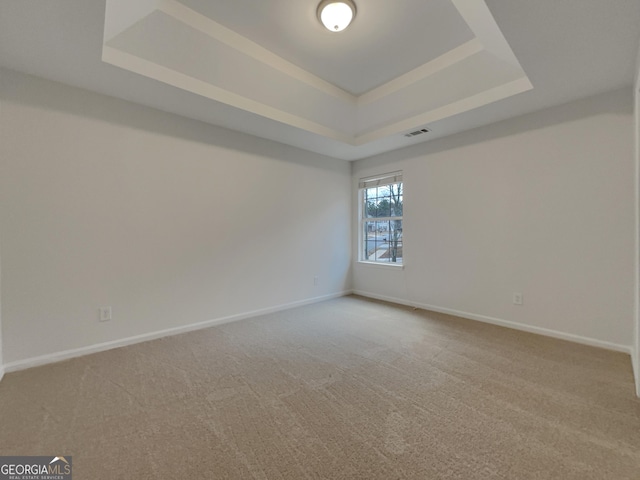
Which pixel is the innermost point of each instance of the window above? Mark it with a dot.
(381, 205)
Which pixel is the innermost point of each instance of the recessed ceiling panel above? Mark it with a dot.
(442, 88)
(351, 59)
(165, 41)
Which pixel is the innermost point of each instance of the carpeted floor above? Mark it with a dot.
(345, 389)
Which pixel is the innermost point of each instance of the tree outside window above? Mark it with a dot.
(381, 220)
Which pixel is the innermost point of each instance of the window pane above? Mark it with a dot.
(370, 201)
(383, 209)
(396, 207)
(383, 241)
(370, 208)
(371, 193)
(394, 253)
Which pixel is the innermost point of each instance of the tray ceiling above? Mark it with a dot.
(462, 62)
(350, 60)
(270, 70)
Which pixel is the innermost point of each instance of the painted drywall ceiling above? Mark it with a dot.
(169, 42)
(268, 68)
(352, 59)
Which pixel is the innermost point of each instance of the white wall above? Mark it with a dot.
(542, 204)
(636, 350)
(169, 221)
(1, 356)
(1, 361)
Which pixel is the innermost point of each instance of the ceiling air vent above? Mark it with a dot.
(417, 132)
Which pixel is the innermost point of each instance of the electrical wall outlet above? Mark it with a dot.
(517, 298)
(104, 314)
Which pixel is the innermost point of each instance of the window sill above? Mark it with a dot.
(397, 266)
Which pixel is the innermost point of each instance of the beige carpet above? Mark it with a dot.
(346, 389)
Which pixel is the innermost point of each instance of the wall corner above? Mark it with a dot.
(635, 354)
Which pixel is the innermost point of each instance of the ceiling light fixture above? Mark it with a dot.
(336, 15)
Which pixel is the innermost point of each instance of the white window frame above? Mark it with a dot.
(370, 182)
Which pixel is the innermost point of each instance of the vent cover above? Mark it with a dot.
(417, 132)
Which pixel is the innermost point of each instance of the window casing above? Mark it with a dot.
(381, 211)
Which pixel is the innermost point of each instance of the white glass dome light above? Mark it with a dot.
(336, 15)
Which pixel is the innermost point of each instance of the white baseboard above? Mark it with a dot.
(101, 347)
(505, 323)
